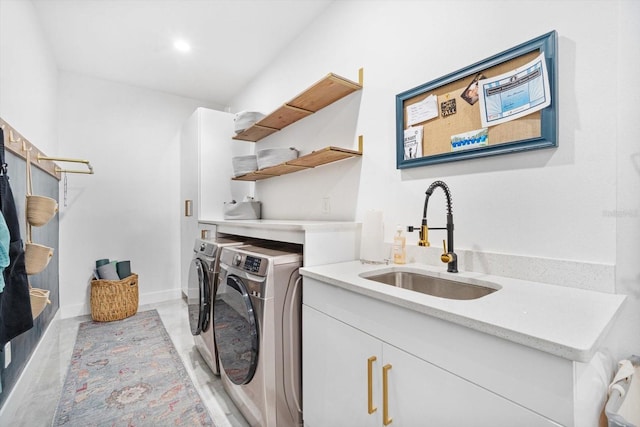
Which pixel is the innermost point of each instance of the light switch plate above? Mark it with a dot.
(326, 205)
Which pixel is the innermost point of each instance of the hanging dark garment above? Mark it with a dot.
(15, 302)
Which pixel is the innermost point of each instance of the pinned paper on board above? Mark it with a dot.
(515, 94)
(470, 140)
(448, 107)
(422, 111)
(413, 142)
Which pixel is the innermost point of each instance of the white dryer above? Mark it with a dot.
(257, 324)
(203, 279)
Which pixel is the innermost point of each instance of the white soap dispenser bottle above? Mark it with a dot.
(399, 246)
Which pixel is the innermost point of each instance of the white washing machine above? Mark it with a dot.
(257, 324)
(203, 279)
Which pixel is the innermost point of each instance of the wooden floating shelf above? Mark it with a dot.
(255, 133)
(324, 156)
(253, 176)
(311, 160)
(283, 117)
(321, 94)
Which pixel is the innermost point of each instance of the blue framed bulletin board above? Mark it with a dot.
(503, 104)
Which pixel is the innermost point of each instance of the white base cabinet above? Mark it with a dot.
(441, 373)
(338, 391)
(335, 369)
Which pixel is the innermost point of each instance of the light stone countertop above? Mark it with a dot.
(567, 322)
(292, 231)
(287, 225)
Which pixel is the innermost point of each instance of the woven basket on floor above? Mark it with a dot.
(114, 299)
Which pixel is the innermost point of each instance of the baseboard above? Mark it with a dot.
(160, 296)
(73, 310)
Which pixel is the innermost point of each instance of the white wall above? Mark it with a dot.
(554, 203)
(128, 210)
(578, 202)
(28, 76)
(627, 213)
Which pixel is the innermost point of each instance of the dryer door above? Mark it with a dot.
(199, 297)
(236, 330)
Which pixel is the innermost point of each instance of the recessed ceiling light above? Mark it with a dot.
(182, 46)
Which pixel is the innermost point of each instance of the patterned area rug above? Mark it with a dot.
(128, 373)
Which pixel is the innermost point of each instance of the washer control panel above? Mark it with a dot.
(244, 261)
(247, 262)
(205, 248)
(237, 260)
(252, 264)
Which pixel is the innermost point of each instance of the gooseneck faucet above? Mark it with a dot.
(448, 256)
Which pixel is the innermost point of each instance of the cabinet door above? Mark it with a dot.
(422, 394)
(206, 154)
(334, 365)
(335, 385)
(188, 191)
(216, 151)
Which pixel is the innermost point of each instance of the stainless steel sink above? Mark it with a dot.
(431, 285)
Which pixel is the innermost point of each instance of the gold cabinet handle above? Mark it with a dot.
(370, 361)
(188, 208)
(386, 420)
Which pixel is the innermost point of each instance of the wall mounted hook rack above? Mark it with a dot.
(19, 145)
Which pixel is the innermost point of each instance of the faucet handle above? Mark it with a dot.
(445, 257)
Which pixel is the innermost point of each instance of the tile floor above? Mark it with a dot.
(34, 399)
